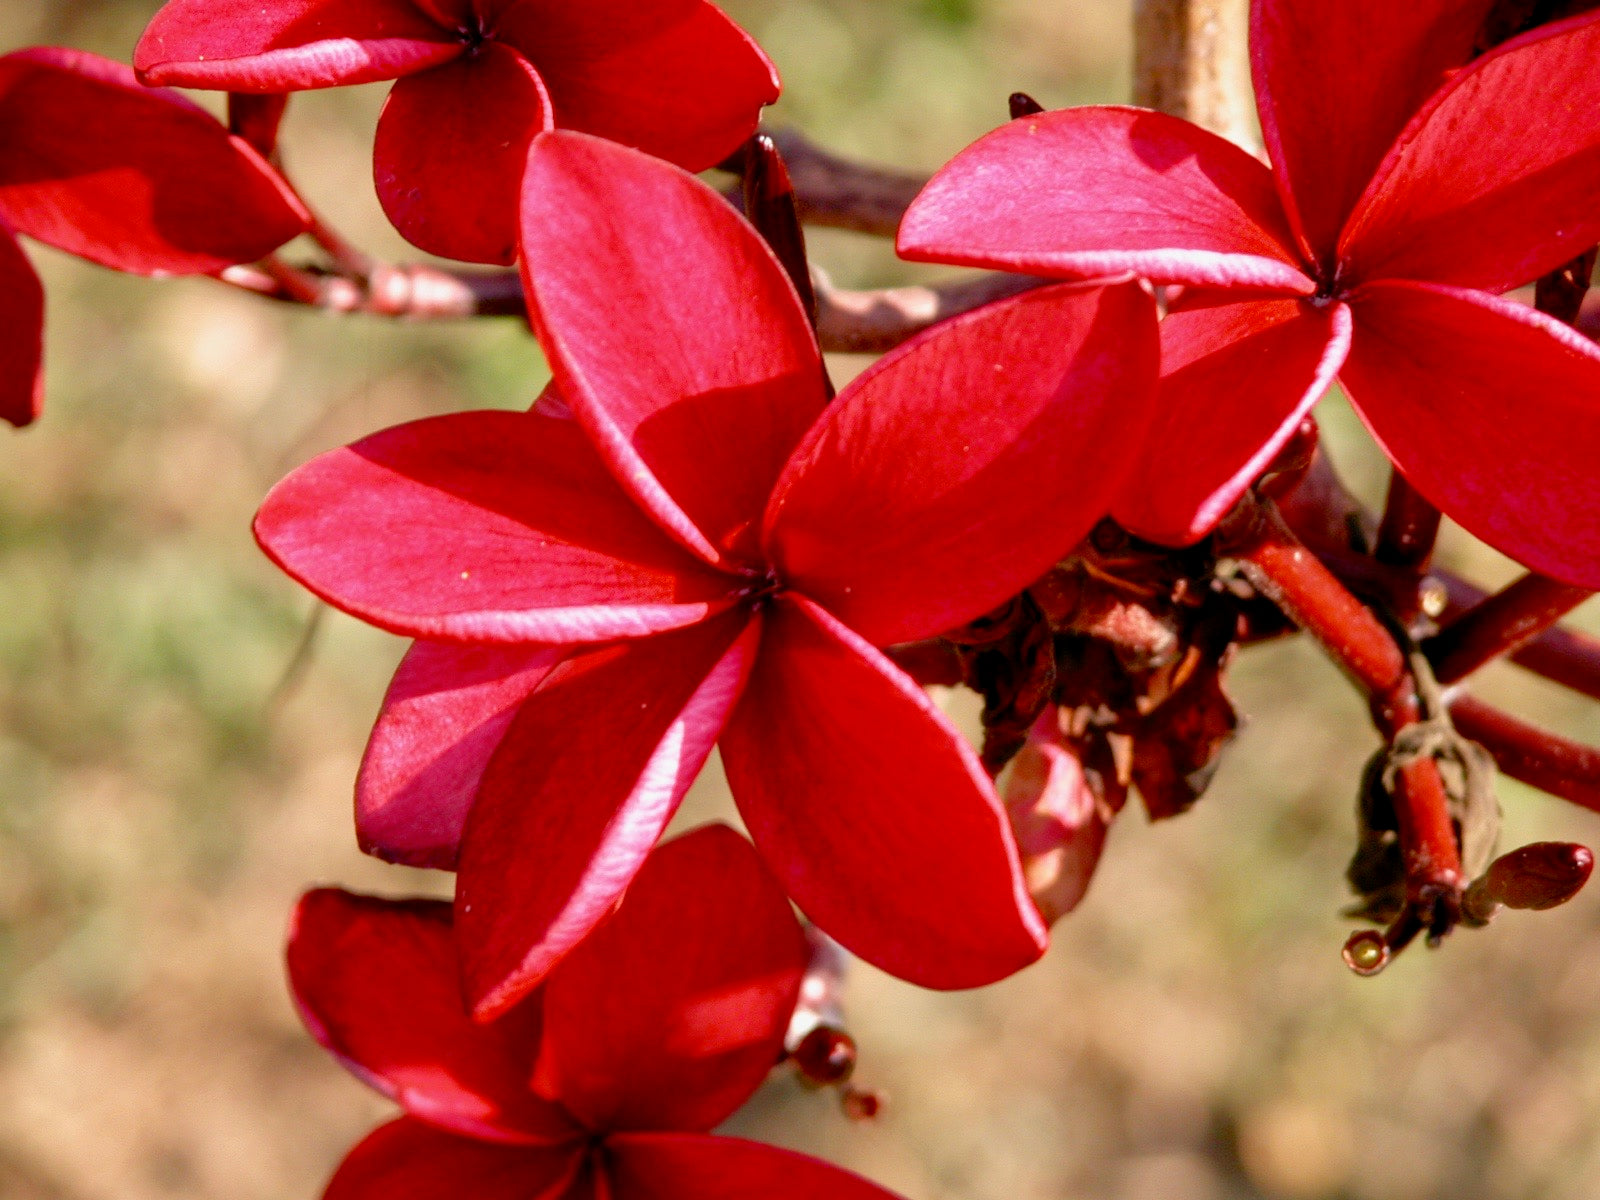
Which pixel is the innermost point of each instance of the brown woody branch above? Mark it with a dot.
(853, 322)
(872, 322)
(842, 193)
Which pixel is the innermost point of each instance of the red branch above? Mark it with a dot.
(1410, 527)
(1563, 656)
(1536, 756)
(1500, 624)
(1283, 570)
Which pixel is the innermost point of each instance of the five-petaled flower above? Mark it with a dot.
(600, 1084)
(478, 79)
(1402, 198)
(711, 550)
(133, 178)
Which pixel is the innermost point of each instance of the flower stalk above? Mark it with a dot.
(1500, 625)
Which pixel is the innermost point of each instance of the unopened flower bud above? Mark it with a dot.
(1537, 876)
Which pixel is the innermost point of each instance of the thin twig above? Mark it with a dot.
(850, 322)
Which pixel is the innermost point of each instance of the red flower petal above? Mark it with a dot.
(1492, 411)
(377, 984)
(960, 468)
(288, 45)
(1099, 191)
(451, 146)
(712, 957)
(486, 526)
(586, 778)
(675, 78)
(673, 332)
(22, 343)
(1336, 81)
(1495, 182)
(686, 1166)
(407, 1160)
(874, 812)
(128, 177)
(442, 720)
(1236, 380)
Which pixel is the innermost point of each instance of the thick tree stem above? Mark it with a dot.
(1191, 59)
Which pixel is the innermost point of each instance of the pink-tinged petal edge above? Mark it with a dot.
(684, 1166)
(674, 334)
(22, 343)
(1492, 411)
(408, 1160)
(873, 812)
(1103, 190)
(1494, 183)
(713, 958)
(587, 777)
(136, 179)
(1237, 378)
(1336, 80)
(288, 45)
(485, 527)
(960, 468)
(376, 983)
(442, 720)
(450, 151)
(636, 73)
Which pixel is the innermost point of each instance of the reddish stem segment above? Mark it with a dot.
(1291, 576)
(1280, 567)
(1563, 656)
(1503, 623)
(1536, 756)
(1410, 527)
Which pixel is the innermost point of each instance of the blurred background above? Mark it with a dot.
(177, 747)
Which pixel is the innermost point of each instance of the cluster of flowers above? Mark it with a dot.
(688, 543)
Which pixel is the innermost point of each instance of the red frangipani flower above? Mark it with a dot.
(478, 79)
(136, 179)
(1396, 209)
(600, 1084)
(722, 567)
